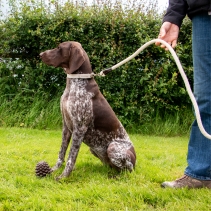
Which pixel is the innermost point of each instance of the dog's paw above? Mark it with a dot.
(61, 177)
(58, 178)
(58, 165)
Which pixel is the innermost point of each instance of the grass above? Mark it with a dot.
(92, 186)
(176, 124)
(47, 115)
(41, 114)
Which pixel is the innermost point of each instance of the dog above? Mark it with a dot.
(87, 116)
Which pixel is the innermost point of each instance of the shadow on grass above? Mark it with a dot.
(87, 171)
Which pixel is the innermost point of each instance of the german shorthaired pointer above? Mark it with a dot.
(87, 116)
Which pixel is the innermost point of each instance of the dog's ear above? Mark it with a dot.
(76, 57)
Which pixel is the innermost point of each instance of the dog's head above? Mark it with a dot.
(69, 55)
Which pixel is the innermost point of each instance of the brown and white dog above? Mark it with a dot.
(87, 116)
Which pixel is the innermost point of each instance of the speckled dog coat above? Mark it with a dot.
(87, 116)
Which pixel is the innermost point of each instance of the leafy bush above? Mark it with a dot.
(148, 84)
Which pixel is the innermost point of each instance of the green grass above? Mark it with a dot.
(92, 186)
(176, 124)
(47, 116)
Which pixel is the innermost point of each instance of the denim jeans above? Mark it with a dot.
(199, 148)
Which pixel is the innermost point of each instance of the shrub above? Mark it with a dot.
(109, 33)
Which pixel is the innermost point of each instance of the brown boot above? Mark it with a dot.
(187, 182)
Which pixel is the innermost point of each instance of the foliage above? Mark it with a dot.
(109, 33)
(92, 186)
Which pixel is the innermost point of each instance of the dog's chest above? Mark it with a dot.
(76, 104)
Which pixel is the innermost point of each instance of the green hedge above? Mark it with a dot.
(136, 91)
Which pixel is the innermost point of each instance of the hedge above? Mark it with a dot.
(136, 91)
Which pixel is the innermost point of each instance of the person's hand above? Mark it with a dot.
(169, 32)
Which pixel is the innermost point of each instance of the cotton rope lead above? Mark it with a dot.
(184, 77)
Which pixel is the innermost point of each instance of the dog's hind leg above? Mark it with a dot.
(121, 156)
(102, 156)
(66, 135)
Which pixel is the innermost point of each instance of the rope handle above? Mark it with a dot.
(184, 77)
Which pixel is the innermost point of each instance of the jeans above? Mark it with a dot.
(199, 147)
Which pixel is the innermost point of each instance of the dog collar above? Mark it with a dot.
(91, 75)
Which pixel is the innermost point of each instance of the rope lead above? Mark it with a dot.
(184, 77)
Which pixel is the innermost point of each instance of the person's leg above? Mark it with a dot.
(199, 148)
(198, 172)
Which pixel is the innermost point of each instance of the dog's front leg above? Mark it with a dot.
(77, 139)
(66, 135)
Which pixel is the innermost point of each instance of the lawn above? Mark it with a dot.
(92, 186)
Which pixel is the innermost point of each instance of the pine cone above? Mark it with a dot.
(42, 169)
